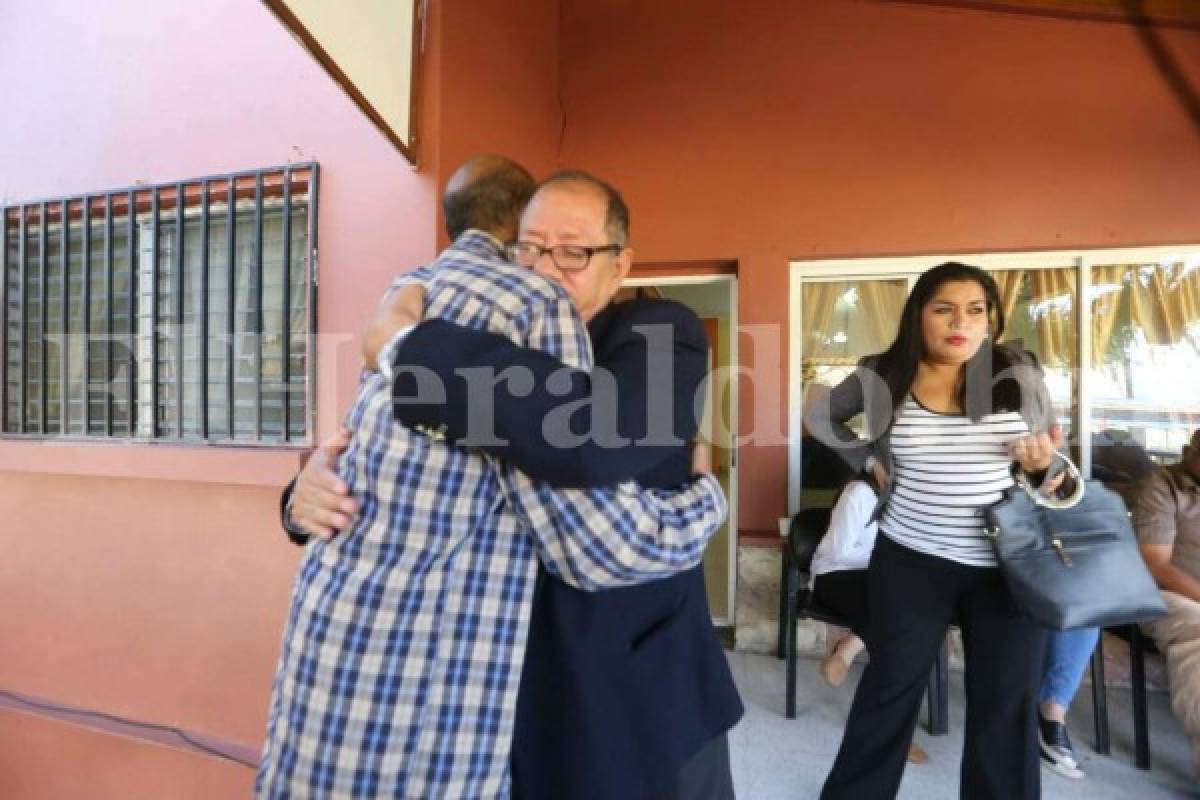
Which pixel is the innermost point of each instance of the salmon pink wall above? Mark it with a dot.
(765, 131)
(43, 760)
(155, 600)
(128, 91)
(152, 581)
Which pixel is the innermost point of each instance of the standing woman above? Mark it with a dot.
(948, 413)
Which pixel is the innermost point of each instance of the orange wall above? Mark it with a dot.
(767, 131)
(498, 85)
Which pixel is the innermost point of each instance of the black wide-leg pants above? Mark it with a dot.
(913, 598)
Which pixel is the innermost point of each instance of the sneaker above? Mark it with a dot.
(1057, 752)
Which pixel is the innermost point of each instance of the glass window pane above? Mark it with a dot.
(843, 322)
(33, 330)
(1145, 375)
(13, 344)
(1039, 310)
(130, 333)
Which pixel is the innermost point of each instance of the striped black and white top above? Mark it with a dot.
(948, 469)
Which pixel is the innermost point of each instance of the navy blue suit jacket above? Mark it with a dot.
(620, 687)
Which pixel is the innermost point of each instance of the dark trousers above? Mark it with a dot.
(844, 592)
(913, 598)
(706, 776)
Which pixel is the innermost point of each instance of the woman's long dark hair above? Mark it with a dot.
(897, 365)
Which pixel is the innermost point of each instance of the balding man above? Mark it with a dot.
(626, 693)
(404, 644)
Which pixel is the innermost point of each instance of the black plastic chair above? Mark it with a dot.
(1138, 646)
(1126, 463)
(796, 603)
(1141, 727)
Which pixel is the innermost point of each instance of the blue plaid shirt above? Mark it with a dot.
(403, 648)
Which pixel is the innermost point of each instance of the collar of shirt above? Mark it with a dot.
(480, 243)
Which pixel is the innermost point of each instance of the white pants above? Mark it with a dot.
(1177, 636)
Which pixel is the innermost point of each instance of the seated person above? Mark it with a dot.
(839, 572)
(1166, 518)
(1067, 657)
(1119, 461)
(839, 579)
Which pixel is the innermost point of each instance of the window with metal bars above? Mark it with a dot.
(181, 312)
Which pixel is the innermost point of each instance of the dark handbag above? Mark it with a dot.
(1072, 563)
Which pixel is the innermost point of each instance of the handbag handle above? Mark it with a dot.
(1040, 499)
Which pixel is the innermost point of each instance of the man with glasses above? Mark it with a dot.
(626, 693)
(402, 651)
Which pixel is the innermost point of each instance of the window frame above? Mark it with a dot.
(1080, 261)
(143, 207)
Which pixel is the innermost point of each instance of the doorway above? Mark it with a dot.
(714, 299)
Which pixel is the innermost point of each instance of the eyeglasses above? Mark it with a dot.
(567, 257)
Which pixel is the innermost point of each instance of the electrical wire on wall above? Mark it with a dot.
(146, 726)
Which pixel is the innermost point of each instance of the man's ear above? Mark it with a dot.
(624, 263)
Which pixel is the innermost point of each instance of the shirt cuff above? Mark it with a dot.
(293, 531)
(714, 488)
(387, 353)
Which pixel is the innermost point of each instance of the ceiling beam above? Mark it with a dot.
(1164, 13)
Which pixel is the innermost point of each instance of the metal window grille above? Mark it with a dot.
(181, 312)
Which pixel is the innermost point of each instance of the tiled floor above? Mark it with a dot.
(776, 758)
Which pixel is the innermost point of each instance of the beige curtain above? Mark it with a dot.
(878, 313)
(1106, 302)
(882, 303)
(819, 300)
(1056, 336)
(1010, 282)
(1165, 300)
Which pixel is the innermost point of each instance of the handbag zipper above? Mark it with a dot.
(1078, 541)
(1062, 553)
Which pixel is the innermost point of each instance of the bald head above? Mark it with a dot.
(616, 213)
(487, 192)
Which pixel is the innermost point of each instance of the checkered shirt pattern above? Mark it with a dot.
(403, 647)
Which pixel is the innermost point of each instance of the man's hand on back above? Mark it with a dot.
(398, 309)
(321, 502)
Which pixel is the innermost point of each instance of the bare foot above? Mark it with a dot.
(834, 669)
(916, 755)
